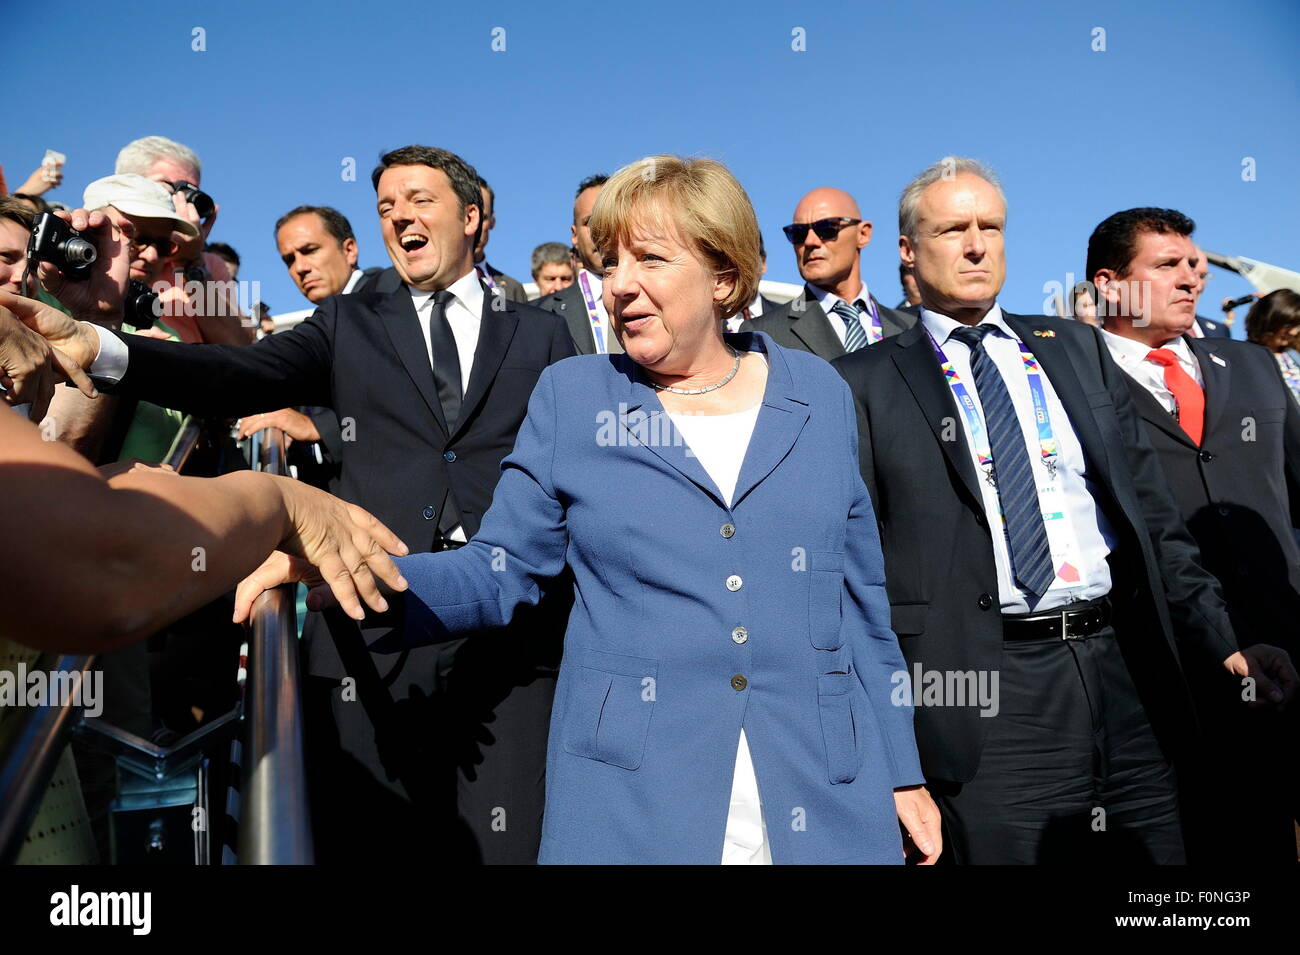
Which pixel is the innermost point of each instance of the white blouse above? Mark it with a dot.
(719, 443)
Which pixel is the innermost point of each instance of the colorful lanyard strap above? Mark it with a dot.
(1049, 452)
(877, 329)
(487, 277)
(592, 312)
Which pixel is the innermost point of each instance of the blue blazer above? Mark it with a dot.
(693, 619)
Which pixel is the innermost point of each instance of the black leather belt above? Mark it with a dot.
(1074, 621)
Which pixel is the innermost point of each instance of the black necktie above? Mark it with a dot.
(1031, 555)
(446, 359)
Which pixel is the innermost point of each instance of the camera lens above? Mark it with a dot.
(78, 252)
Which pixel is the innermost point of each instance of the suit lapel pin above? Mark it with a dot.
(1044, 334)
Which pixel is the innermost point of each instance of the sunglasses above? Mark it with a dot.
(164, 247)
(826, 229)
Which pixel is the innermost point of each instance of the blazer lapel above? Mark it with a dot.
(402, 324)
(1217, 377)
(1154, 413)
(1055, 361)
(648, 425)
(496, 330)
(810, 325)
(780, 420)
(574, 310)
(920, 369)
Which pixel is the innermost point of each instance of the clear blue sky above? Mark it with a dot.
(1164, 116)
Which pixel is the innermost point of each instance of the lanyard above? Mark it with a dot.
(877, 329)
(487, 277)
(1048, 449)
(592, 312)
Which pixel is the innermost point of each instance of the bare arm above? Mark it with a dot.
(93, 565)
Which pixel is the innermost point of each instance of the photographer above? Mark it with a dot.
(212, 317)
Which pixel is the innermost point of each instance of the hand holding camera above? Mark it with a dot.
(83, 259)
(196, 207)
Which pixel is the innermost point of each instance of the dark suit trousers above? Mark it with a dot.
(1070, 771)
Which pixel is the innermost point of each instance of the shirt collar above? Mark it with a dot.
(1130, 353)
(353, 279)
(467, 289)
(941, 326)
(828, 299)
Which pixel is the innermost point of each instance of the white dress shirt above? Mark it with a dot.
(353, 279)
(1082, 526)
(464, 314)
(719, 443)
(827, 300)
(1131, 356)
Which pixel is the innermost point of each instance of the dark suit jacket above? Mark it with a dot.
(1239, 491)
(939, 565)
(569, 305)
(800, 323)
(370, 278)
(1213, 329)
(365, 356)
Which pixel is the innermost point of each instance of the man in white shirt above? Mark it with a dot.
(1228, 437)
(836, 314)
(580, 303)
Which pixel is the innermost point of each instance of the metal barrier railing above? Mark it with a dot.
(275, 827)
(274, 824)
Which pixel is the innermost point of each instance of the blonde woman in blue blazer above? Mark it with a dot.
(731, 690)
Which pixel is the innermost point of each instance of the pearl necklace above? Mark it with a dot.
(707, 388)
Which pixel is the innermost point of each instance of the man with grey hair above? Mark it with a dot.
(552, 267)
(1029, 535)
(836, 313)
(174, 164)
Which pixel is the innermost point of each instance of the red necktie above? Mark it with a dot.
(1187, 393)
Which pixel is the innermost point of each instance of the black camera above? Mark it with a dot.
(200, 200)
(139, 307)
(56, 242)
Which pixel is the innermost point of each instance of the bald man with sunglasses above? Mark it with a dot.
(835, 313)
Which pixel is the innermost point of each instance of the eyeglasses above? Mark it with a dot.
(826, 229)
(164, 247)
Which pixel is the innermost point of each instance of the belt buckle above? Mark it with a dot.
(1065, 626)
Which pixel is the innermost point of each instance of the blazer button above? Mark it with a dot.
(985, 601)
(1224, 512)
(734, 583)
(740, 635)
(738, 682)
(449, 456)
(728, 531)
(428, 512)
(1206, 456)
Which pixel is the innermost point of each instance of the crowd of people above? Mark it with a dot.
(655, 569)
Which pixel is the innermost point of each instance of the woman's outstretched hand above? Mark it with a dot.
(920, 818)
(328, 542)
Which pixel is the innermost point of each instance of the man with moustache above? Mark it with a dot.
(836, 313)
(431, 754)
(1027, 532)
(1227, 433)
(580, 303)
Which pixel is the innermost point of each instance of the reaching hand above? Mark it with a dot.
(75, 340)
(295, 424)
(99, 298)
(30, 368)
(348, 545)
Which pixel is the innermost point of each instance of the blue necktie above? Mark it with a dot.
(1031, 555)
(854, 336)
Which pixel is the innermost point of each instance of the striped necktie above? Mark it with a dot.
(854, 336)
(1031, 555)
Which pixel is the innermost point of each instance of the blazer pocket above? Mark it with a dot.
(608, 706)
(908, 619)
(825, 594)
(841, 705)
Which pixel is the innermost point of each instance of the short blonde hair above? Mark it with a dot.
(705, 203)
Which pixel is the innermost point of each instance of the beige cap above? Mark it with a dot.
(136, 196)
